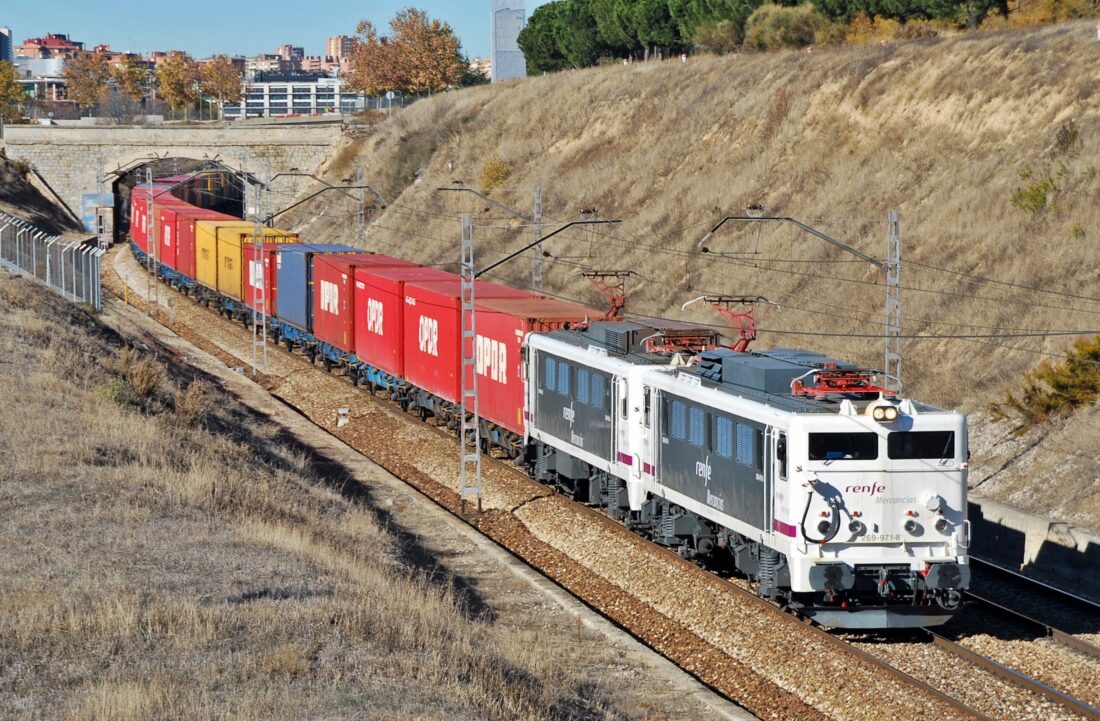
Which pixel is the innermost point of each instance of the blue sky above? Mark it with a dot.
(247, 27)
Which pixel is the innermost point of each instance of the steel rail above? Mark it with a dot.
(1055, 634)
(779, 613)
(1015, 677)
(1062, 595)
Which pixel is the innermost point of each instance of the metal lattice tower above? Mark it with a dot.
(259, 292)
(893, 299)
(536, 259)
(469, 447)
(152, 245)
(361, 215)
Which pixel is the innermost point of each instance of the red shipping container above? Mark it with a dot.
(185, 236)
(264, 274)
(333, 306)
(169, 234)
(380, 312)
(502, 325)
(433, 327)
(141, 222)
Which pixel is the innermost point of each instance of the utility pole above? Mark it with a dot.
(259, 292)
(469, 446)
(892, 267)
(536, 259)
(893, 300)
(361, 216)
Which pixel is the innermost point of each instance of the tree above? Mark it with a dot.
(12, 95)
(614, 21)
(427, 50)
(420, 54)
(221, 80)
(577, 36)
(653, 26)
(130, 79)
(539, 40)
(177, 80)
(86, 76)
(373, 63)
(714, 24)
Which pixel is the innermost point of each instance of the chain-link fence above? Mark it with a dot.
(68, 266)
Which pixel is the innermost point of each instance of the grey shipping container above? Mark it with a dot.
(294, 273)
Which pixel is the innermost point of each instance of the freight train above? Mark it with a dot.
(830, 492)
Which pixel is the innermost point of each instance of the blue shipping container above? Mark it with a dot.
(294, 279)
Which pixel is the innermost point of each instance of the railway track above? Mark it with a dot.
(738, 644)
(1075, 620)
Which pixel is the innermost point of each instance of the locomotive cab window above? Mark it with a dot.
(932, 445)
(645, 406)
(843, 446)
(781, 456)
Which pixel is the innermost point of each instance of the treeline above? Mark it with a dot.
(579, 33)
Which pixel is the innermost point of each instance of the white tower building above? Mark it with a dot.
(508, 17)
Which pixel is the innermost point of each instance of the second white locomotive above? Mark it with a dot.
(831, 493)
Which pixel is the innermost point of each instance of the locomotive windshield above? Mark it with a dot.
(843, 446)
(921, 444)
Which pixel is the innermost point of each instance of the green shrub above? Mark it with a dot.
(493, 174)
(114, 390)
(1034, 197)
(724, 36)
(1056, 388)
(772, 27)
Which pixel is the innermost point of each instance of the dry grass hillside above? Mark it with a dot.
(20, 198)
(987, 144)
(168, 554)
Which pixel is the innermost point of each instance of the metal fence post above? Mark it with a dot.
(72, 276)
(3, 228)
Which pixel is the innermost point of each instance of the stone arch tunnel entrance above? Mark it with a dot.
(205, 183)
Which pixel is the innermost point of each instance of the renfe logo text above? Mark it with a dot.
(330, 297)
(702, 469)
(872, 489)
(492, 359)
(429, 336)
(374, 316)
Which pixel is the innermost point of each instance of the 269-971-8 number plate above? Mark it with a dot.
(882, 538)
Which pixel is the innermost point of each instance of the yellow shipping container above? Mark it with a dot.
(206, 248)
(231, 240)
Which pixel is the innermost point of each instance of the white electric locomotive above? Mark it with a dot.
(834, 495)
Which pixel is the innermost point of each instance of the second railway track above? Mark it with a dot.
(743, 647)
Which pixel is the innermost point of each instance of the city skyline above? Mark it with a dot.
(275, 23)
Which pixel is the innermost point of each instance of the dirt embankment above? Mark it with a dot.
(986, 144)
(19, 198)
(170, 554)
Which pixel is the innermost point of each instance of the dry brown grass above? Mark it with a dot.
(941, 129)
(938, 129)
(166, 557)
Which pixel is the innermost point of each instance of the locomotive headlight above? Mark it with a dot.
(911, 526)
(885, 413)
(942, 525)
(856, 528)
